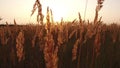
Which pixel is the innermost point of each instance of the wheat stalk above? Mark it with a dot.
(80, 20)
(15, 22)
(97, 44)
(74, 50)
(50, 53)
(72, 33)
(19, 46)
(51, 16)
(98, 7)
(48, 24)
(40, 16)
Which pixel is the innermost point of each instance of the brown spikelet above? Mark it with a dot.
(50, 53)
(80, 20)
(48, 15)
(61, 23)
(15, 22)
(40, 16)
(98, 7)
(96, 17)
(47, 52)
(72, 33)
(34, 8)
(100, 1)
(66, 34)
(88, 21)
(8, 29)
(7, 24)
(100, 19)
(73, 21)
(19, 46)
(97, 44)
(60, 34)
(51, 16)
(55, 58)
(74, 50)
(48, 24)
(60, 38)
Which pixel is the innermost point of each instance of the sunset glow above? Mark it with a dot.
(68, 9)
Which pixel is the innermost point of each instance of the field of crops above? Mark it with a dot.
(65, 45)
(76, 44)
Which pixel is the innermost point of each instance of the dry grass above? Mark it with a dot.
(40, 16)
(20, 46)
(69, 41)
(76, 44)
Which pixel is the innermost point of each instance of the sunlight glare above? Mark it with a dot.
(59, 10)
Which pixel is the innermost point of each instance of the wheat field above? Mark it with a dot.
(66, 45)
(76, 44)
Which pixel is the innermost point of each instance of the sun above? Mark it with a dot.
(59, 10)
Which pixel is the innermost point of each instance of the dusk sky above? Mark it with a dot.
(20, 10)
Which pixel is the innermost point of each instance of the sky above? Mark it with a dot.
(20, 10)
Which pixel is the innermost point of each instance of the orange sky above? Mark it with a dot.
(68, 9)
